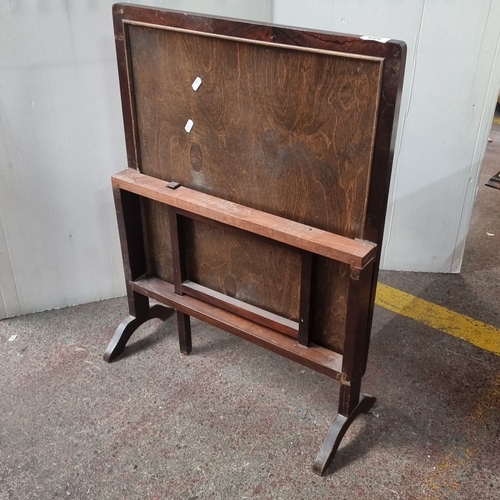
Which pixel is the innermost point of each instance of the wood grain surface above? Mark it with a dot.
(288, 132)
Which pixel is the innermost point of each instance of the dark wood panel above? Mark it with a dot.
(285, 132)
(298, 133)
(328, 314)
(226, 262)
(159, 247)
(130, 228)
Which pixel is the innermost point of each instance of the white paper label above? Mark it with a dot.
(375, 39)
(196, 84)
(188, 126)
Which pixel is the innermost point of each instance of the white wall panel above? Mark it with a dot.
(61, 134)
(453, 73)
(61, 138)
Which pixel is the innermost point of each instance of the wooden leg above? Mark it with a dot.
(336, 432)
(128, 326)
(179, 267)
(184, 326)
(351, 401)
(350, 393)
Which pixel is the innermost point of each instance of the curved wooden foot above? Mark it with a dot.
(336, 432)
(128, 326)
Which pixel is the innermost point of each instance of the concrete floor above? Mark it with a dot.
(233, 421)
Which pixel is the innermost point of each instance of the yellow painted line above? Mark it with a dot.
(496, 120)
(458, 325)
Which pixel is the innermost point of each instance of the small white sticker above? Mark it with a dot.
(375, 39)
(188, 126)
(196, 84)
(12, 338)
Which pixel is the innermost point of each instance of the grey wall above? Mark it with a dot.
(61, 138)
(61, 134)
(451, 83)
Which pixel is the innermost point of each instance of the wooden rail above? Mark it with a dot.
(353, 252)
(315, 357)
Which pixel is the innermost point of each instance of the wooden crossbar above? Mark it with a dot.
(256, 314)
(315, 357)
(353, 252)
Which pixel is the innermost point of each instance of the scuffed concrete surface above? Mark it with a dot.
(233, 421)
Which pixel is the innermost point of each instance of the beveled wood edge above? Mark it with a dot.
(315, 357)
(349, 251)
(334, 53)
(243, 309)
(342, 43)
(127, 92)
